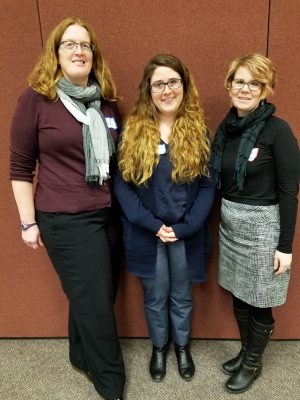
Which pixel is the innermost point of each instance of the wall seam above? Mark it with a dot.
(268, 28)
(40, 23)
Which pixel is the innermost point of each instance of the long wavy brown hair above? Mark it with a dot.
(189, 146)
(47, 71)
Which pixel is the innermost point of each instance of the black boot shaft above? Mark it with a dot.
(242, 317)
(251, 367)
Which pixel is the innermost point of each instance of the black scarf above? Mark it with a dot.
(249, 128)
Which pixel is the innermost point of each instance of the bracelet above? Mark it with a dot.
(25, 227)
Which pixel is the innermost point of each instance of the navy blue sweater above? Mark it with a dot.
(146, 208)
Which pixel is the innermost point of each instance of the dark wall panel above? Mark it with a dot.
(31, 299)
(206, 36)
(284, 45)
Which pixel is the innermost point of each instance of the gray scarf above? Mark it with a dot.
(98, 145)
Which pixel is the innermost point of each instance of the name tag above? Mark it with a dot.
(253, 154)
(111, 122)
(161, 149)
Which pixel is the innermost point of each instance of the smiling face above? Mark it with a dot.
(169, 100)
(75, 64)
(244, 99)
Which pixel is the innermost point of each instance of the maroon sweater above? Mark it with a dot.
(45, 131)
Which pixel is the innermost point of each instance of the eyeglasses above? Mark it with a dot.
(159, 87)
(70, 45)
(253, 86)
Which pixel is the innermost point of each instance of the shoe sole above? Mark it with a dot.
(186, 379)
(244, 390)
(157, 380)
(239, 391)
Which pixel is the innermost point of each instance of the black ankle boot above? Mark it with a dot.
(158, 363)
(251, 367)
(186, 366)
(242, 319)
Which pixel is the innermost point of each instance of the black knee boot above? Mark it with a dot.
(186, 366)
(158, 363)
(251, 367)
(242, 319)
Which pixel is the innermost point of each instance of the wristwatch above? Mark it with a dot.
(25, 227)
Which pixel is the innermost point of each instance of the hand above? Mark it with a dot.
(32, 237)
(282, 262)
(166, 234)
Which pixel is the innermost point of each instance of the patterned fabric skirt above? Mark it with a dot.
(248, 237)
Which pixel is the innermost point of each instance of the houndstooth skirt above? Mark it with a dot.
(248, 237)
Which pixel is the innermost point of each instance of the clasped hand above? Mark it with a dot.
(166, 234)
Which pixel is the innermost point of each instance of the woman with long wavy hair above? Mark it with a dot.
(166, 191)
(67, 120)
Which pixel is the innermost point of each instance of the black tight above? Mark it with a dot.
(262, 315)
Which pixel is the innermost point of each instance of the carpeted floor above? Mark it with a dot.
(38, 369)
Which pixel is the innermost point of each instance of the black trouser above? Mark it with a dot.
(262, 315)
(80, 247)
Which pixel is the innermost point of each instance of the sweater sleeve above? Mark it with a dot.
(131, 205)
(287, 164)
(24, 138)
(197, 214)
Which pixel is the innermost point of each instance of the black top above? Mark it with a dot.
(272, 174)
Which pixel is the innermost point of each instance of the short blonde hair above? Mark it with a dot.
(262, 69)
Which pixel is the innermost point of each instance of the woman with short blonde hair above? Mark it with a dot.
(256, 162)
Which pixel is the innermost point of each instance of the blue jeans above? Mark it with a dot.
(168, 297)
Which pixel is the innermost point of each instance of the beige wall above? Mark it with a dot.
(206, 35)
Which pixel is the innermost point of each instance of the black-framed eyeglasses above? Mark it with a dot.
(253, 86)
(159, 86)
(71, 45)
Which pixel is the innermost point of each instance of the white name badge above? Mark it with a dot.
(253, 154)
(161, 149)
(111, 122)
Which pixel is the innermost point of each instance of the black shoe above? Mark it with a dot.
(233, 365)
(158, 363)
(251, 367)
(186, 366)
